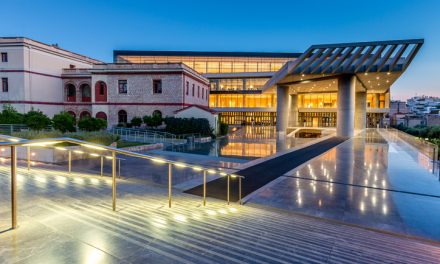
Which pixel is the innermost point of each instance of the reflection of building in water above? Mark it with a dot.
(241, 149)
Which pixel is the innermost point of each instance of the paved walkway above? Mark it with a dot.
(262, 173)
(68, 219)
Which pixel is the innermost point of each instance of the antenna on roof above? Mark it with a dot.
(55, 45)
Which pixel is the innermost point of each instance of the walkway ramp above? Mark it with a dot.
(261, 174)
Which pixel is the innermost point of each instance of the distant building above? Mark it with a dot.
(119, 92)
(31, 71)
(423, 104)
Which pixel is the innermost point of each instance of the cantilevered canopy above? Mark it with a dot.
(376, 64)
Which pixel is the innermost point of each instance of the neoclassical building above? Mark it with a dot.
(119, 92)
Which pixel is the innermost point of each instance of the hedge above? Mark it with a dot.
(188, 125)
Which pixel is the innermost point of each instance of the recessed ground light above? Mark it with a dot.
(388, 73)
(366, 73)
(377, 78)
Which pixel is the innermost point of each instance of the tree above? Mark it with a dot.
(136, 121)
(92, 124)
(36, 120)
(10, 116)
(64, 122)
(153, 121)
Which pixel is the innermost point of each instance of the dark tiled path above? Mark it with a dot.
(261, 174)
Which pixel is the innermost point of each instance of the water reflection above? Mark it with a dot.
(367, 181)
(249, 142)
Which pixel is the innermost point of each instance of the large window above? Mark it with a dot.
(100, 91)
(240, 100)
(250, 84)
(216, 64)
(5, 85)
(157, 86)
(122, 86)
(376, 100)
(86, 93)
(70, 93)
(187, 88)
(317, 100)
(4, 57)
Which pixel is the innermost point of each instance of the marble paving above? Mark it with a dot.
(374, 180)
(68, 219)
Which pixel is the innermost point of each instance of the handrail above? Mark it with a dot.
(14, 142)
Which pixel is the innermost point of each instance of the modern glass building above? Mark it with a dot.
(292, 90)
(236, 79)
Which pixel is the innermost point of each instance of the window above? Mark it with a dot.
(207, 95)
(198, 91)
(101, 88)
(122, 86)
(203, 93)
(157, 86)
(122, 117)
(5, 86)
(187, 88)
(4, 57)
(194, 87)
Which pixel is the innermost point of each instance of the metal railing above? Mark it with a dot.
(151, 136)
(8, 129)
(427, 148)
(14, 142)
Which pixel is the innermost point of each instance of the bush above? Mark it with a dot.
(64, 122)
(36, 120)
(136, 121)
(101, 137)
(10, 116)
(224, 129)
(188, 125)
(153, 121)
(92, 124)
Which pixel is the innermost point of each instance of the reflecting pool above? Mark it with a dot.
(249, 142)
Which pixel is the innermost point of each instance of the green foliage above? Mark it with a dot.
(224, 128)
(124, 144)
(101, 137)
(432, 133)
(92, 124)
(64, 122)
(188, 125)
(136, 121)
(153, 121)
(10, 116)
(36, 120)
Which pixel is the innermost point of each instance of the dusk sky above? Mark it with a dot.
(96, 28)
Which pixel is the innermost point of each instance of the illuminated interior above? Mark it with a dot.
(242, 100)
(317, 100)
(203, 64)
(246, 84)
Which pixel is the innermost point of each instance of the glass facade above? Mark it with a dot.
(242, 100)
(249, 118)
(317, 100)
(246, 84)
(204, 64)
(314, 119)
(377, 100)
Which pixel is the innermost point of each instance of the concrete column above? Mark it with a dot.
(293, 120)
(345, 114)
(360, 111)
(282, 108)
